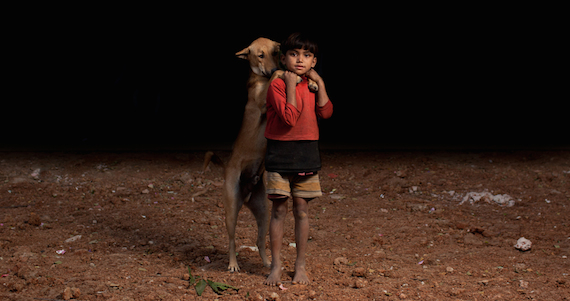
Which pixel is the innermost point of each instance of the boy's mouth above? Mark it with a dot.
(299, 67)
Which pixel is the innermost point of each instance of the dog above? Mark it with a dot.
(243, 173)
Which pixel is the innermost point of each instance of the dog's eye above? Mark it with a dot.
(262, 55)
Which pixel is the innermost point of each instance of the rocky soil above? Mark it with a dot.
(390, 226)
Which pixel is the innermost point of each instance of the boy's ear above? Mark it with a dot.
(243, 54)
(314, 61)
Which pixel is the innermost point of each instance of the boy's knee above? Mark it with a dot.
(300, 214)
(300, 211)
(279, 210)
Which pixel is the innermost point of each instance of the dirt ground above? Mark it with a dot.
(390, 226)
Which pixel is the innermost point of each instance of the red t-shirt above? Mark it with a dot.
(287, 123)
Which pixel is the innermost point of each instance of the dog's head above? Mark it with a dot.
(263, 56)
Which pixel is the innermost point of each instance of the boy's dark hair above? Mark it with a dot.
(299, 41)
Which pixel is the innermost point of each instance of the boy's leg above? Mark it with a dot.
(300, 210)
(304, 189)
(278, 214)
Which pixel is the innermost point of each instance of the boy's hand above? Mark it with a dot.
(290, 79)
(312, 74)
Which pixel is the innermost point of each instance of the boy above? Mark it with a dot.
(292, 158)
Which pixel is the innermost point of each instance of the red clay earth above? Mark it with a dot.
(388, 227)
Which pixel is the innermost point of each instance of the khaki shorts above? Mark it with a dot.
(293, 185)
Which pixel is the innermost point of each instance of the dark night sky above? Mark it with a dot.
(401, 81)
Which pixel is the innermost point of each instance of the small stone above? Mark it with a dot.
(360, 283)
(359, 272)
(274, 296)
(72, 239)
(340, 260)
(523, 284)
(402, 296)
(36, 173)
(145, 191)
(67, 294)
(76, 292)
(449, 269)
(523, 244)
(150, 186)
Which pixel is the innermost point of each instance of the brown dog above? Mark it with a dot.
(244, 171)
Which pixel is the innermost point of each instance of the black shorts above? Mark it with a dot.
(292, 156)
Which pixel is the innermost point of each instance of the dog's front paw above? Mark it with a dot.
(299, 79)
(313, 86)
(278, 74)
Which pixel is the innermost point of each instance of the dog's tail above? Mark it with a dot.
(211, 157)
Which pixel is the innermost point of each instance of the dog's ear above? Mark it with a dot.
(277, 48)
(243, 54)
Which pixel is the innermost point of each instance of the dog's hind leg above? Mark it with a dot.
(258, 204)
(232, 204)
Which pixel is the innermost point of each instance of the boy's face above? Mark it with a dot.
(299, 61)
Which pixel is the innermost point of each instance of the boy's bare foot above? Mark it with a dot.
(274, 277)
(300, 276)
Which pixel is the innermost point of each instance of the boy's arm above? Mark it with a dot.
(322, 96)
(278, 97)
(290, 80)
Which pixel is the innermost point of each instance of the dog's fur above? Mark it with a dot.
(243, 173)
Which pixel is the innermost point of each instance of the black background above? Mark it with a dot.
(169, 80)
